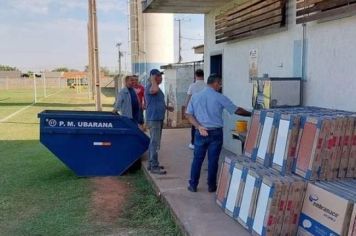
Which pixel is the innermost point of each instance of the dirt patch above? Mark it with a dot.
(108, 199)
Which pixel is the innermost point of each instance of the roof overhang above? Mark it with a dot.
(199, 49)
(181, 6)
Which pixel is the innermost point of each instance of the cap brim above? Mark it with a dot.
(160, 73)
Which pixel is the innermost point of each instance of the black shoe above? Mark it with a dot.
(158, 171)
(212, 189)
(150, 168)
(192, 189)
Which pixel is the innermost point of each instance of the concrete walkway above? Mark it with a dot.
(196, 213)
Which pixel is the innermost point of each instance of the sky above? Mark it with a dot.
(45, 34)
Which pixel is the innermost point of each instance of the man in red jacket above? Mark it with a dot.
(140, 91)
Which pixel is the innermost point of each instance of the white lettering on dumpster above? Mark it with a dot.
(85, 124)
(70, 124)
(52, 122)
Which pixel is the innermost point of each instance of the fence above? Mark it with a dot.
(18, 91)
(21, 91)
(30, 83)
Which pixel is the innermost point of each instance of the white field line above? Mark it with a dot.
(15, 113)
(25, 108)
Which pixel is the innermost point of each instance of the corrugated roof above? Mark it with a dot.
(182, 6)
(75, 75)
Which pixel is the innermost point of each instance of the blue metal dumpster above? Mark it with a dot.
(92, 143)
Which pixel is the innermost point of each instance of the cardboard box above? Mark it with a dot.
(352, 158)
(336, 156)
(324, 213)
(346, 147)
(237, 183)
(297, 207)
(352, 228)
(254, 133)
(284, 149)
(328, 151)
(295, 195)
(266, 208)
(248, 200)
(310, 145)
(264, 150)
(224, 181)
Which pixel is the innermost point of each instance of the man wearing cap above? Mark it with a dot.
(205, 113)
(155, 113)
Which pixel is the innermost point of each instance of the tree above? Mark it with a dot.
(105, 70)
(61, 69)
(8, 68)
(64, 69)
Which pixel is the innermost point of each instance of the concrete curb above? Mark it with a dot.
(165, 201)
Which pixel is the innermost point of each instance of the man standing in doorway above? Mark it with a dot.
(205, 113)
(195, 88)
(155, 113)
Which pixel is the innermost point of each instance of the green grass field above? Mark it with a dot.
(13, 100)
(40, 196)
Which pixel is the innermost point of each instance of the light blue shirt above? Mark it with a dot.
(155, 105)
(207, 107)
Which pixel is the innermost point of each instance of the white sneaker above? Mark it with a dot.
(191, 146)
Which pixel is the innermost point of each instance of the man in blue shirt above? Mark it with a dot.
(205, 113)
(155, 113)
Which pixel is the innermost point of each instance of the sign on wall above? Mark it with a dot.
(253, 64)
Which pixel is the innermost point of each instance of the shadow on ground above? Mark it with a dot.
(108, 92)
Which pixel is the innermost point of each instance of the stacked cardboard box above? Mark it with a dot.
(224, 180)
(312, 139)
(346, 144)
(286, 142)
(351, 172)
(329, 209)
(352, 228)
(324, 149)
(254, 131)
(259, 198)
(265, 144)
(260, 190)
(315, 143)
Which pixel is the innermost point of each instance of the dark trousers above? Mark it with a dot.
(193, 134)
(212, 145)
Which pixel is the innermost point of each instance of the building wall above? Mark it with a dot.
(10, 74)
(177, 81)
(330, 58)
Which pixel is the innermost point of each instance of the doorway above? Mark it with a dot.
(216, 65)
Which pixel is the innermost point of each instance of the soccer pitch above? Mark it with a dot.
(40, 196)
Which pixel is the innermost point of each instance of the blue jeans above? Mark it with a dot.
(155, 128)
(193, 134)
(211, 144)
